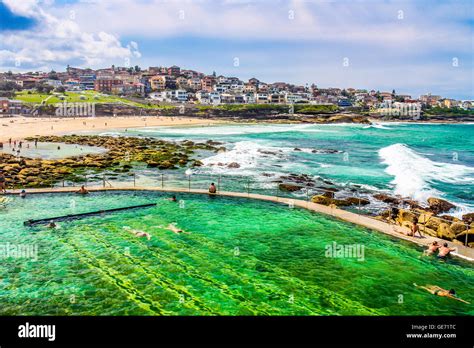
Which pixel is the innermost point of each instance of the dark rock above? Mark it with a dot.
(289, 187)
(438, 205)
(386, 198)
(468, 217)
(233, 165)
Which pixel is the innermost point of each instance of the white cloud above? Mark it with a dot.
(57, 40)
(375, 22)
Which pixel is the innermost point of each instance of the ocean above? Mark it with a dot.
(413, 160)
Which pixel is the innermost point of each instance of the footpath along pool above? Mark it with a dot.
(241, 257)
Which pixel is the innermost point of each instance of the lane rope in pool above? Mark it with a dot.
(83, 215)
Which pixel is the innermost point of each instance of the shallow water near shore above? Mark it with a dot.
(241, 257)
(51, 150)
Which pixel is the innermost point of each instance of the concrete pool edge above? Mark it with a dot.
(396, 231)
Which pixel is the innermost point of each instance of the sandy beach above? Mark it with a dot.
(18, 128)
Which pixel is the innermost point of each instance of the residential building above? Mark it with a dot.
(180, 95)
(277, 98)
(158, 83)
(261, 98)
(207, 83)
(174, 70)
(106, 84)
(4, 106)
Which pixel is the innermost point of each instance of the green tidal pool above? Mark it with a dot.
(239, 257)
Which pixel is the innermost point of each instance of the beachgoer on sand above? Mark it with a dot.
(438, 291)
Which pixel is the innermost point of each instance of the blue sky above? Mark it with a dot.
(413, 47)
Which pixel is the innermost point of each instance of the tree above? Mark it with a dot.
(137, 68)
(60, 89)
(48, 89)
(53, 75)
(39, 87)
(8, 86)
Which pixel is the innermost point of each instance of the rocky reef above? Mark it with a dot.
(431, 221)
(121, 154)
(431, 215)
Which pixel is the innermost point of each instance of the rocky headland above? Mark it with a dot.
(122, 153)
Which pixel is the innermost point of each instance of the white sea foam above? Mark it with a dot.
(414, 173)
(226, 130)
(251, 157)
(377, 125)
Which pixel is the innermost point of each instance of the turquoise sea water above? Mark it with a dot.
(241, 257)
(412, 160)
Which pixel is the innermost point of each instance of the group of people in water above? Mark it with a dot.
(17, 145)
(443, 250)
(171, 227)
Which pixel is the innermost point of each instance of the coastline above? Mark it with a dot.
(22, 127)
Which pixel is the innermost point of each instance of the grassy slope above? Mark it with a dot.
(87, 97)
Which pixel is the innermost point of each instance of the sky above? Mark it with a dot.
(415, 47)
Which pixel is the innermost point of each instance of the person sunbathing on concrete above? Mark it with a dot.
(445, 251)
(438, 291)
(432, 248)
(82, 191)
(137, 233)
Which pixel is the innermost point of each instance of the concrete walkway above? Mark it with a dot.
(366, 221)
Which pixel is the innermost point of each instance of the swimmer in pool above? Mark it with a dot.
(438, 291)
(137, 233)
(82, 190)
(432, 248)
(172, 227)
(445, 251)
